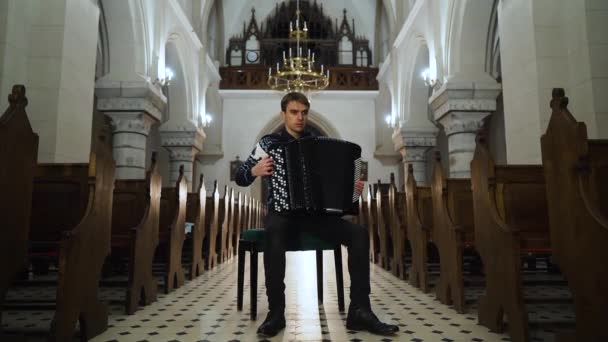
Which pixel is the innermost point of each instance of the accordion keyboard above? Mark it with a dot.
(278, 181)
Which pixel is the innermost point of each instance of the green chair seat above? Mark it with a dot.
(305, 242)
(253, 240)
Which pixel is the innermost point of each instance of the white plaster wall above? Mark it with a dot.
(596, 12)
(247, 113)
(213, 107)
(186, 6)
(13, 46)
(543, 46)
(384, 141)
(520, 73)
(60, 38)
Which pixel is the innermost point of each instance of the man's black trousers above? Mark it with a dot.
(280, 232)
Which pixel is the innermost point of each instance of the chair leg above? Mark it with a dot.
(253, 271)
(240, 278)
(320, 275)
(339, 277)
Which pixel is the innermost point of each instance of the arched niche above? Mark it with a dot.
(176, 92)
(102, 63)
(469, 27)
(495, 124)
(213, 107)
(418, 92)
(214, 33)
(127, 39)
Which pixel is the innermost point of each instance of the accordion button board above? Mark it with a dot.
(278, 181)
(315, 175)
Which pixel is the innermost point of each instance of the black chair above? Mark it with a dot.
(252, 241)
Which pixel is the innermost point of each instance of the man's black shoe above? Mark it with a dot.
(272, 325)
(364, 319)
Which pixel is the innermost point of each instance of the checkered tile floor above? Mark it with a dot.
(205, 310)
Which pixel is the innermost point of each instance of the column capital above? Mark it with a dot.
(412, 139)
(183, 139)
(462, 122)
(182, 153)
(130, 96)
(131, 122)
(464, 96)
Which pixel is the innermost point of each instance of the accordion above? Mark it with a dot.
(315, 175)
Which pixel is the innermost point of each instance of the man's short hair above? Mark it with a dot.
(294, 96)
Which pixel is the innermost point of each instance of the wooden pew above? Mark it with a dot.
(372, 222)
(172, 231)
(510, 211)
(576, 172)
(256, 213)
(363, 220)
(452, 230)
(212, 226)
(18, 156)
(224, 217)
(228, 228)
(419, 229)
(135, 221)
(236, 223)
(383, 227)
(71, 218)
(251, 219)
(254, 221)
(244, 214)
(397, 222)
(196, 213)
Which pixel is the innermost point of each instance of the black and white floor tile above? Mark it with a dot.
(205, 310)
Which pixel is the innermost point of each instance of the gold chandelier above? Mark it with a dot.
(298, 73)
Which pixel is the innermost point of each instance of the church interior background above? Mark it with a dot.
(182, 86)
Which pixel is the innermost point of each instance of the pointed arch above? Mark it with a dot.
(128, 39)
(467, 37)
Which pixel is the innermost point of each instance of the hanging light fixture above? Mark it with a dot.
(298, 70)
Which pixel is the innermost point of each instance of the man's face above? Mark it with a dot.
(295, 117)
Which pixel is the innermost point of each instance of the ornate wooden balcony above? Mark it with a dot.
(341, 78)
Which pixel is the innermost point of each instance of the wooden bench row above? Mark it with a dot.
(556, 210)
(78, 214)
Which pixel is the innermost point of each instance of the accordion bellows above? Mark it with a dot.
(315, 175)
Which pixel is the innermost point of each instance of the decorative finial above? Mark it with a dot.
(480, 138)
(559, 99)
(17, 96)
(437, 156)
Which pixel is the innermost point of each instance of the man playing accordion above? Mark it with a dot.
(281, 227)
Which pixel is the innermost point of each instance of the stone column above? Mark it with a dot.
(461, 107)
(413, 144)
(133, 107)
(183, 146)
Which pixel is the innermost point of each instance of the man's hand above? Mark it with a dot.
(359, 186)
(264, 167)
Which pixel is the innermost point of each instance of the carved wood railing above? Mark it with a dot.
(341, 78)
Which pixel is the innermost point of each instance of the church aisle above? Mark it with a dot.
(205, 310)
